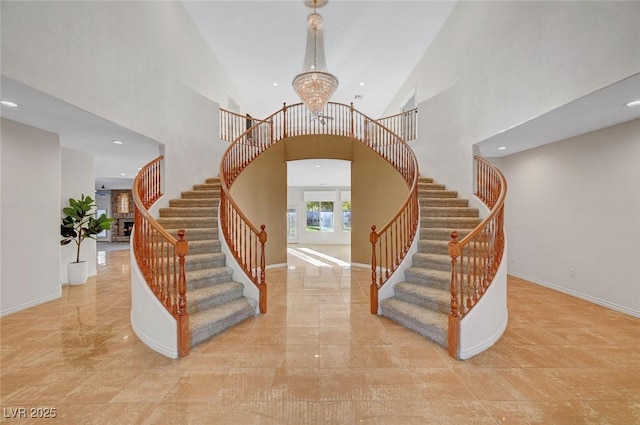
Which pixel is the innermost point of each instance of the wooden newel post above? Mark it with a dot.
(262, 237)
(182, 247)
(454, 315)
(373, 288)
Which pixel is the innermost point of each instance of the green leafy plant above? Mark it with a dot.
(80, 222)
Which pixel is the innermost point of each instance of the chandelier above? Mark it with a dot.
(315, 85)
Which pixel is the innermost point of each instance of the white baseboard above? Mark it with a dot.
(154, 345)
(582, 296)
(361, 265)
(31, 304)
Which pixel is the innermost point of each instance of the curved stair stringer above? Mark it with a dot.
(487, 320)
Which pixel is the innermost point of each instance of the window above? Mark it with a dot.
(123, 203)
(319, 216)
(346, 216)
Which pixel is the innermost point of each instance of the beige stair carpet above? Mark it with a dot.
(421, 302)
(214, 300)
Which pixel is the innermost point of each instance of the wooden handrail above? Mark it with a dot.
(159, 255)
(246, 241)
(402, 124)
(390, 244)
(476, 258)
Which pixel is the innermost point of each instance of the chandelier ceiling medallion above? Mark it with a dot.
(315, 85)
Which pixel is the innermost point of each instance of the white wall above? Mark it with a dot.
(30, 216)
(575, 205)
(295, 196)
(142, 65)
(497, 64)
(76, 179)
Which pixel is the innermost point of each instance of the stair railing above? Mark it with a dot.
(403, 124)
(476, 258)
(160, 256)
(247, 243)
(232, 124)
(390, 244)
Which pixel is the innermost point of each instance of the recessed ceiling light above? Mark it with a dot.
(633, 103)
(9, 103)
(275, 84)
(362, 84)
(317, 166)
(123, 174)
(501, 148)
(117, 142)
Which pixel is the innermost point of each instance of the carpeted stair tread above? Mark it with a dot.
(428, 323)
(194, 202)
(212, 296)
(428, 277)
(437, 193)
(448, 212)
(442, 233)
(207, 186)
(433, 246)
(203, 246)
(205, 324)
(422, 301)
(432, 298)
(203, 277)
(204, 261)
(189, 194)
(443, 202)
(440, 262)
(189, 212)
(187, 222)
(215, 301)
(450, 222)
(196, 233)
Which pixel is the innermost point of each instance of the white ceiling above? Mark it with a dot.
(377, 43)
(115, 165)
(600, 109)
(261, 42)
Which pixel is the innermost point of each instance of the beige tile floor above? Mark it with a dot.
(318, 357)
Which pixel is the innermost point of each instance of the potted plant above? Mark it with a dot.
(79, 222)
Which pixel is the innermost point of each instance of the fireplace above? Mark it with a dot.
(128, 227)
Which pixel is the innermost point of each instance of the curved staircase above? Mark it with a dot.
(422, 301)
(215, 300)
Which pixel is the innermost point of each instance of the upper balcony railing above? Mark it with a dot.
(476, 258)
(390, 242)
(403, 124)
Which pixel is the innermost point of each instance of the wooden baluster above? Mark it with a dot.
(263, 284)
(454, 315)
(373, 288)
(351, 133)
(181, 250)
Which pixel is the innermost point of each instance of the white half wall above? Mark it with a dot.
(30, 216)
(573, 216)
(150, 320)
(77, 178)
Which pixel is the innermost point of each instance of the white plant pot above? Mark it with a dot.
(77, 273)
